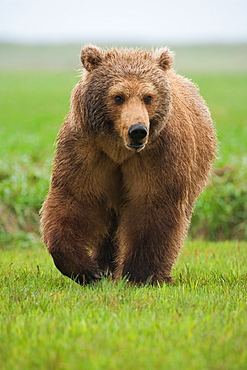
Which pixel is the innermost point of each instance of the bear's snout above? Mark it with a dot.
(137, 133)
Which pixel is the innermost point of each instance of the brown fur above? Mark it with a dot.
(117, 208)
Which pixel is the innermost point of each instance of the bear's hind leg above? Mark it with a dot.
(105, 253)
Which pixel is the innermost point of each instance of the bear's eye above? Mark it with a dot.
(119, 99)
(147, 99)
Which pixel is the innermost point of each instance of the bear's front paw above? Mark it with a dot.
(144, 276)
(87, 277)
(82, 273)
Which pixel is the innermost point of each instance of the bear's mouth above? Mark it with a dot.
(136, 147)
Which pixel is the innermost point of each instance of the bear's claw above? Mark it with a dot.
(88, 278)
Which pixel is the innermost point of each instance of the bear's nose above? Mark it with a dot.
(137, 132)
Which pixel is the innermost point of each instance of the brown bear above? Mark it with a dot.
(132, 156)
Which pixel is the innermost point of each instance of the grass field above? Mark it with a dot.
(49, 322)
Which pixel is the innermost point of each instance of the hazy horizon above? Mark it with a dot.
(134, 22)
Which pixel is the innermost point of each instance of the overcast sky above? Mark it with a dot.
(130, 21)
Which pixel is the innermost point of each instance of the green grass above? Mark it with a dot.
(33, 106)
(49, 322)
(221, 211)
(226, 96)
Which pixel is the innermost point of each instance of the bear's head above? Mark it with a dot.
(126, 93)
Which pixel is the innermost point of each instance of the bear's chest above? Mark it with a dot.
(102, 180)
(114, 192)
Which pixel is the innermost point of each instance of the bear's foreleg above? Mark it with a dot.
(70, 229)
(149, 242)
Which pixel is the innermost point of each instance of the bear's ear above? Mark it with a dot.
(91, 57)
(164, 58)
